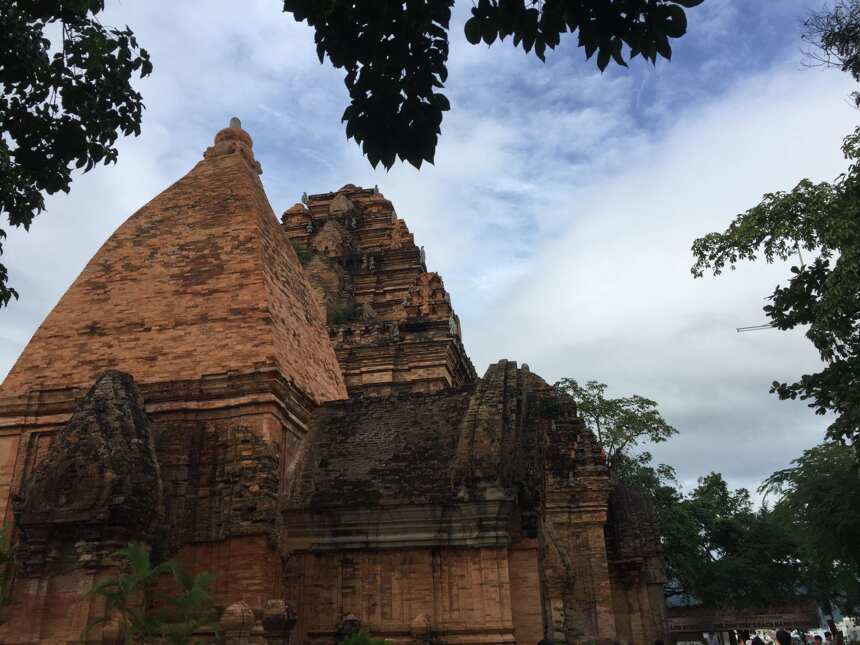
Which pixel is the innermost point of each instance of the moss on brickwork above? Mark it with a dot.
(379, 450)
(304, 255)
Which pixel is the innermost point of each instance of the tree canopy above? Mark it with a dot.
(822, 294)
(724, 552)
(64, 104)
(395, 53)
(818, 500)
(822, 220)
(621, 424)
(718, 548)
(834, 38)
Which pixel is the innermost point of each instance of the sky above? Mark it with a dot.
(560, 211)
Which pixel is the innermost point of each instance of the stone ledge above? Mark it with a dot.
(472, 524)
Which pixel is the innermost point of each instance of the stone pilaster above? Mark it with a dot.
(578, 594)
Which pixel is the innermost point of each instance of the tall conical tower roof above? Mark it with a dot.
(202, 280)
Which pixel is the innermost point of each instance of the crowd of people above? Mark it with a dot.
(783, 637)
(778, 637)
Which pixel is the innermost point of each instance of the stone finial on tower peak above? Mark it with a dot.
(234, 140)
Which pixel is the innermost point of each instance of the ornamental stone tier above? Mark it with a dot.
(290, 406)
(391, 321)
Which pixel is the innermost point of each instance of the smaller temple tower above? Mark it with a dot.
(391, 321)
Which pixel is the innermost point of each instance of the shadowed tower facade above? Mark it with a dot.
(289, 404)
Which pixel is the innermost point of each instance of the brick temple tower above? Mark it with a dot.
(290, 406)
(392, 323)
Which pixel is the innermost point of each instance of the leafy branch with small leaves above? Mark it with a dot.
(130, 596)
(822, 294)
(833, 38)
(395, 54)
(822, 220)
(621, 424)
(63, 104)
(817, 499)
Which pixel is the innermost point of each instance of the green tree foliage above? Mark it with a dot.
(822, 220)
(733, 555)
(305, 255)
(621, 424)
(639, 472)
(823, 295)
(834, 37)
(363, 638)
(818, 499)
(719, 549)
(130, 595)
(723, 551)
(64, 103)
(395, 53)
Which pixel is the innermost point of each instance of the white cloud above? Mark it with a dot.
(612, 297)
(560, 211)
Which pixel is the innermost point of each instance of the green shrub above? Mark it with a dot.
(342, 313)
(304, 254)
(130, 595)
(363, 638)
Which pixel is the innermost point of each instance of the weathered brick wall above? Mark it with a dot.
(640, 611)
(247, 568)
(364, 255)
(636, 567)
(96, 487)
(221, 445)
(578, 592)
(330, 282)
(301, 341)
(364, 452)
(55, 610)
(488, 448)
(527, 607)
(200, 281)
(464, 595)
(9, 445)
(221, 479)
(373, 470)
